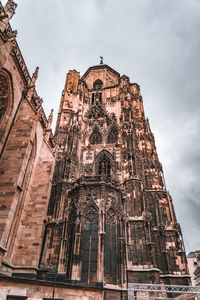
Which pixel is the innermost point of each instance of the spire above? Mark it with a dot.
(34, 77)
(101, 60)
(50, 119)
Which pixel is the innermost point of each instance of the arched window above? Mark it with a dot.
(90, 245)
(95, 137)
(112, 135)
(104, 165)
(98, 84)
(110, 249)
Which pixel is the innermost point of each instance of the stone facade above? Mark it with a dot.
(110, 218)
(26, 157)
(100, 218)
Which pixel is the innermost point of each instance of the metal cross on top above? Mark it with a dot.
(101, 60)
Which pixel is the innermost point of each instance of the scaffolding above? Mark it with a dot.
(140, 291)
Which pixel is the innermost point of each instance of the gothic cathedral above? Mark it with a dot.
(110, 217)
(85, 211)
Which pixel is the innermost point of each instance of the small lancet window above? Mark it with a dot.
(104, 166)
(98, 84)
(95, 137)
(112, 135)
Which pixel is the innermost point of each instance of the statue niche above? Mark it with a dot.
(104, 164)
(97, 97)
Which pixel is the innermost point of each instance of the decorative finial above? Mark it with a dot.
(35, 74)
(50, 119)
(6, 14)
(101, 60)
(34, 77)
(10, 9)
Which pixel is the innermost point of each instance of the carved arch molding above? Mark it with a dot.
(6, 100)
(4, 94)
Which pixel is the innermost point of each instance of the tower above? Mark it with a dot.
(85, 212)
(110, 218)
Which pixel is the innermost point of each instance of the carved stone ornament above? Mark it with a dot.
(147, 216)
(10, 35)
(4, 90)
(2, 14)
(91, 214)
(98, 114)
(110, 217)
(10, 8)
(88, 168)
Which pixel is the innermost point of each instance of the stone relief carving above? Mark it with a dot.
(110, 217)
(89, 155)
(88, 169)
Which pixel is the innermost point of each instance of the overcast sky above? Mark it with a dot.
(154, 42)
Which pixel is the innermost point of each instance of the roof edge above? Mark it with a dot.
(100, 67)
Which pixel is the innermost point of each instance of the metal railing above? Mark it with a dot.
(160, 291)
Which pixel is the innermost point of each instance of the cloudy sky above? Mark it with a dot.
(157, 44)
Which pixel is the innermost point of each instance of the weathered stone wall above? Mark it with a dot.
(35, 291)
(26, 157)
(28, 246)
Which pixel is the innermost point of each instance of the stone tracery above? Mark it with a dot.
(112, 135)
(95, 137)
(110, 217)
(91, 214)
